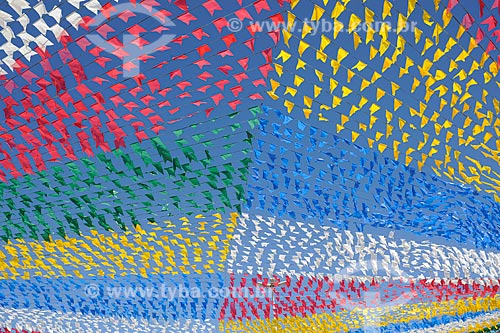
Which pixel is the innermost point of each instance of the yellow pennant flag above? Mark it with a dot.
(440, 75)
(428, 44)
(291, 91)
(289, 105)
(364, 84)
(286, 37)
(306, 29)
(387, 64)
(336, 101)
(354, 136)
(317, 91)
(353, 110)
(297, 81)
(437, 31)
(384, 30)
(384, 45)
(354, 22)
(341, 54)
(291, 21)
(362, 102)
(308, 101)
(337, 28)
(274, 85)
(320, 55)
(360, 65)
(302, 47)
(307, 112)
(369, 14)
(337, 10)
(411, 7)
(325, 41)
(300, 64)
(317, 13)
(319, 75)
(356, 40)
(373, 52)
(415, 84)
(402, 22)
(370, 33)
(350, 75)
(335, 66)
(395, 87)
(284, 56)
(401, 123)
(333, 85)
(437, 55)
(426, 17)
(380, 94)
(375, 77)
(386, 9)
(346, 91)
(418, 34)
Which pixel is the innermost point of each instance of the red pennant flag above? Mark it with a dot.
(261, 5)
(203, 89)
(83, 90)
(199, 33)
(491, 22)
(479, 35)
(183, 85)
(58, 81)
(496, 4)
(229, 40)
(104, 30)
(243, 14)
(154, 85)
(240, 77)
(255, 96)
(236, 90)
(250, 44)
(201, 63)
(37, 157)
(243, 63)
(225, 53)
(221, 84)
(77, 70)
(481, 8)
(220, 24)
(234, 104)
(135, 91)
(211, 6)
(259, 82)
(225, 69)
(265, 69)
(275, 35)
(204, 76)
(217, 98)
(146, 99)
(203, 49)
(452, 3)
(268, 55)
(175, 73)
(181, 4)
(491, 46)
(467, 21)
(207, 113)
